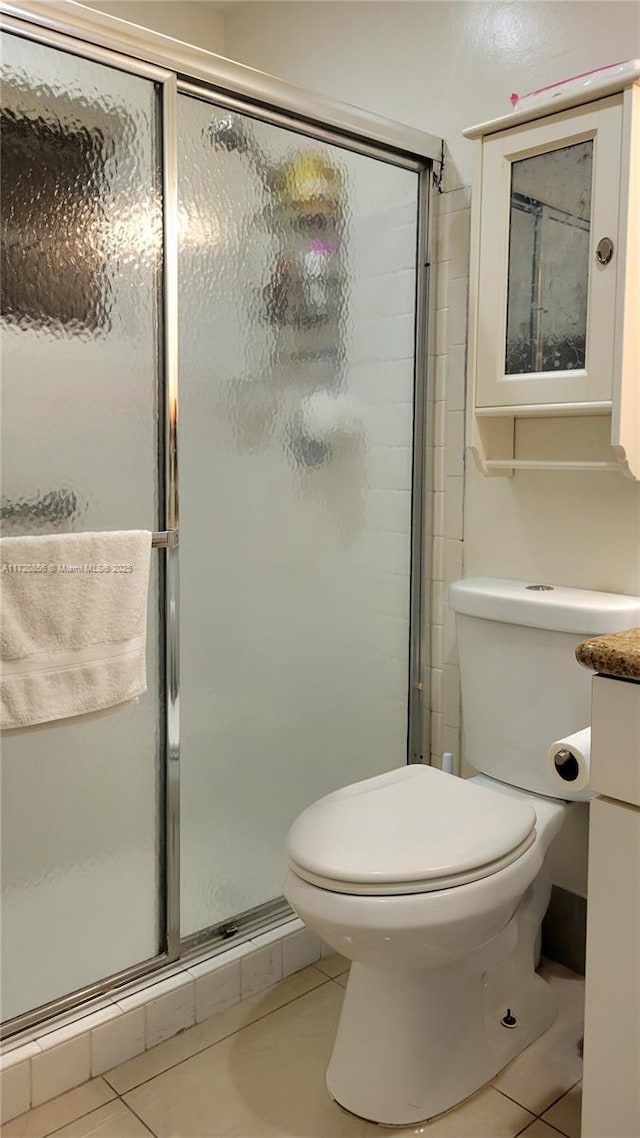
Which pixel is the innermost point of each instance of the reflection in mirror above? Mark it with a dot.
(549, 260)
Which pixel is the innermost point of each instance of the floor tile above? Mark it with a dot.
(195, 1039)
(539, 1129)
(59, 1111)
(342, 979)
(333, 965)
(487, 1115)
(566, 1113)
(114, 1120)
(553, 1064)
(267, 1081)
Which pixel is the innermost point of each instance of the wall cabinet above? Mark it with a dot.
(555, 288)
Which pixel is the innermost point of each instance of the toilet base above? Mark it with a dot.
(411, 1045)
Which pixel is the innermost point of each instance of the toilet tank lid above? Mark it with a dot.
(555, 607)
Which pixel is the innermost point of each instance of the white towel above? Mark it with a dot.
(73, 623)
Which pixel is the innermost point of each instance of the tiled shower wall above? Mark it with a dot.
(450, 276)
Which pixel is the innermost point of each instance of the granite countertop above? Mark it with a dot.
(617, 654)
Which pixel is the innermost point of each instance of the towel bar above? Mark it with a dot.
(164, 539)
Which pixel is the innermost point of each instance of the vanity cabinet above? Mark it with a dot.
(611, 1090)
(554, 337)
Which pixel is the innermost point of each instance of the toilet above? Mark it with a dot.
(435, 886)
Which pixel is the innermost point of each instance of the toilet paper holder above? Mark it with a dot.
(566, 764)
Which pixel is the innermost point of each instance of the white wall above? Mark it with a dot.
(441, 67)
(192, 21)
(435, 65)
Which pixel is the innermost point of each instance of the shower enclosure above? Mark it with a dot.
(170, 230)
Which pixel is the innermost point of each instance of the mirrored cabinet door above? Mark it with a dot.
(548, 247)
(548, 264)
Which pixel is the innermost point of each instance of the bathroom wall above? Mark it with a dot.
(438, 66)
(193, 21)
(442, 67)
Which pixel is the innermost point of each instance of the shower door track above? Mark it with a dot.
(198, 73)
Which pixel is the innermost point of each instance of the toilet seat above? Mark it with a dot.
(411, 830)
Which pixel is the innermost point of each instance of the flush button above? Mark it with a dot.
(540, 588)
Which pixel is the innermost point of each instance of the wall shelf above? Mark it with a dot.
(505, 443)
(541, 464)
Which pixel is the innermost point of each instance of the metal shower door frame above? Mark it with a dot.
(185, 70)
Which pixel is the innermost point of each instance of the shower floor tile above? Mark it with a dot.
(260, 1074)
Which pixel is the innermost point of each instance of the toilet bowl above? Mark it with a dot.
(441, 947)
(435, 887)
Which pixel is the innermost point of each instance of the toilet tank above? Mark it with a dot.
(522, 687)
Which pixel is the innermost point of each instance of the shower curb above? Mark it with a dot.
(56, 1059)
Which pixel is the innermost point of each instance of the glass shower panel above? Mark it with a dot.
(297, 287)
(81, 273)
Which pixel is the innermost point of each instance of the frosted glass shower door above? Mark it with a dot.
(297, 282)
(81, 269)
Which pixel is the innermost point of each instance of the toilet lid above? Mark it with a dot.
(414, 829)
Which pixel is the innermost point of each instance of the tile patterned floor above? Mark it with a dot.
(257, 1071)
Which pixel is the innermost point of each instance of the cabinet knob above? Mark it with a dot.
(604, 251)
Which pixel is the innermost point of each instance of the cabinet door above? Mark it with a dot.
(611, 1091)
(550, 194)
